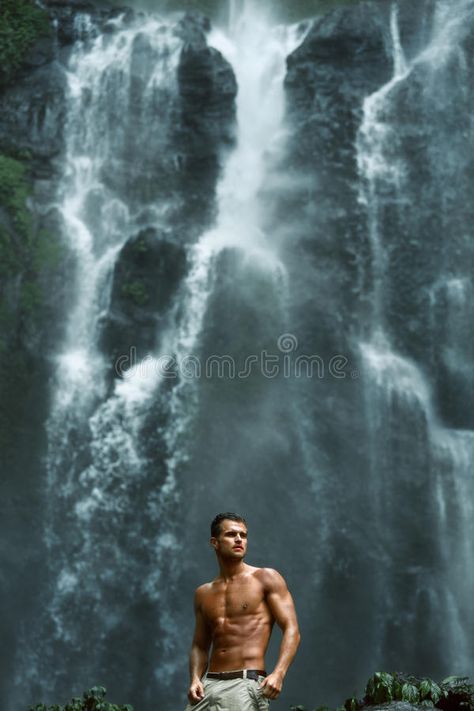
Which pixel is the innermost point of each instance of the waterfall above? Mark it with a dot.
(320, 219)
(378, 166)
(397, 388)
(111, 508)
(121, 87)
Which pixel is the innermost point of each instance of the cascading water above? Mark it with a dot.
(101, 556)
(375, 166)
(111, 518)
(359, 489)
(397, 390)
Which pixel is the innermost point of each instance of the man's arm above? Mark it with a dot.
(282, 607)
(198, 658)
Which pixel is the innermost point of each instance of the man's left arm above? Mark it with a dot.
(282, 607)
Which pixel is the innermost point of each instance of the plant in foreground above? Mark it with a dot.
(454, 693)
(92, 700)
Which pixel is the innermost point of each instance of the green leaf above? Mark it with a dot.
(410, 693)
(386, 679)
(351, 704)
(425, 688)
(397, 690)
(435, 692)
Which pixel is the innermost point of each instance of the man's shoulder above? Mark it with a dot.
(204, 589)
(270, 578)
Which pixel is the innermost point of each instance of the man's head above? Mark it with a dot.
(229, 535)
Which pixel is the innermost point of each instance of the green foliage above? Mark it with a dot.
(15, 238)
(410, 693)
(351, 704)
(14, 192)
(93, 700)
(140, 246)
(26, 254)
(454, 693)
(379, 688)
(21, 23)
(47, 252)
(430, 691)
(136, 291)
(9, 263)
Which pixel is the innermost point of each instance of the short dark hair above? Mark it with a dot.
(216, 523)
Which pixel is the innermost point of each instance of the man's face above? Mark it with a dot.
(232, 539)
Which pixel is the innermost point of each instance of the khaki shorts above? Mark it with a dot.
(231, 695)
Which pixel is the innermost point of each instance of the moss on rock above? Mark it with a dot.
(27, 254)
(21, 23)
(14, 192)
(136, 290)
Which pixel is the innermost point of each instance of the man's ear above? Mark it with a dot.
(213, 542)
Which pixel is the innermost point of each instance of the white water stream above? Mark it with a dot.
(396, 384)
(99, 482)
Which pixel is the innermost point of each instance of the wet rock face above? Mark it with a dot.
(32, 114)
(414, 21)
(428, 289)
(346, 57)
(343, 59)
(181, 163)
(33, 106)
(146, 277)
(207, 91)
(64, 16)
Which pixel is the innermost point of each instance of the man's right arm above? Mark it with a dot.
(198, 659)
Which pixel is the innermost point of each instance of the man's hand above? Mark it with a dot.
(272, 685)
(196, 692)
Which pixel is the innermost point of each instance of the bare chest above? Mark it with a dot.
(231, 601)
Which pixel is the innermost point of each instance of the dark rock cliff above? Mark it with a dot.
(146, 277)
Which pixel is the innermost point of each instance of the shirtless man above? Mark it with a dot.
(235, 614)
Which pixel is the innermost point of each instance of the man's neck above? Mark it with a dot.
(229, 568)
